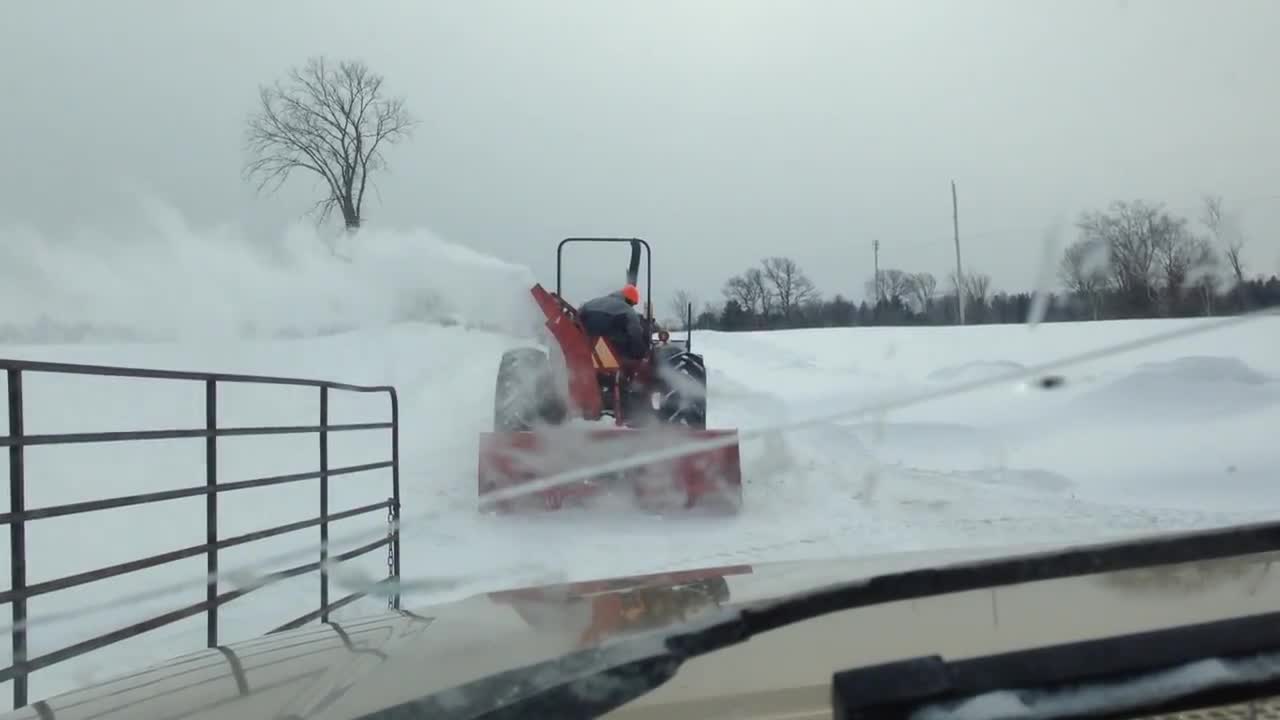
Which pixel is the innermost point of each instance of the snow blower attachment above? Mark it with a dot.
(549, 420)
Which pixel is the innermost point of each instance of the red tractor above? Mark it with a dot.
(542, 395)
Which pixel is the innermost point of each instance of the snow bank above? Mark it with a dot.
(1193, 388)
(168, 280)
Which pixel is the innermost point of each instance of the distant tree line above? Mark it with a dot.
(1132, 260)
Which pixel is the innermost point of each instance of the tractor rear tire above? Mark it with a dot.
(525, 393)
(682, 388)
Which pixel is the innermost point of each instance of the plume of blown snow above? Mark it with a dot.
(168, 280)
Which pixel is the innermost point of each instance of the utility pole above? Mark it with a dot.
(875, 302)
(875, 247)
(955, 226)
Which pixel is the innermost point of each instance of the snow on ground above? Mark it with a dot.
(1169, 437)
(1006, 465)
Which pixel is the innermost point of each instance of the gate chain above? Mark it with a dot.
(391, 550)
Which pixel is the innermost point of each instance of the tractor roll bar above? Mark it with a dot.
(634, 243)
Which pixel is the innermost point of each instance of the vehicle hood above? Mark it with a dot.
(348, 669)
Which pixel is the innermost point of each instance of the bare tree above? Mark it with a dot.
(894, 286)
(709, 316)
(790, 286)
(921, 287)
(1205, 276)
(976, 288)
(760, 287)
(1232, 254)
(679, 307)
(1129, 231)
(1083, 272)
(1182, 260)
(1225, 236)
(744, 291)
(333, 122)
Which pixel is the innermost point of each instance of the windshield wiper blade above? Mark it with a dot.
(1157, 672)
(1076, 561)
(589, 683)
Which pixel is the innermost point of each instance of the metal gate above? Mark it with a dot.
(19, 514)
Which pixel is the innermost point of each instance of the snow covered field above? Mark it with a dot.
(1173, 436)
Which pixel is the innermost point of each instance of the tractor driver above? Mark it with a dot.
(614, 318)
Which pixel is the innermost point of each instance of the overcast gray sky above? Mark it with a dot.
(721, 130)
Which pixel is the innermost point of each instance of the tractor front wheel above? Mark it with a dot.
(681, 391)
(525, 393)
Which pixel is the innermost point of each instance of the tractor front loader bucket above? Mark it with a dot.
(705, 479)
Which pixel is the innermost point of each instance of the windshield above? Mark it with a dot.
(922, 283)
